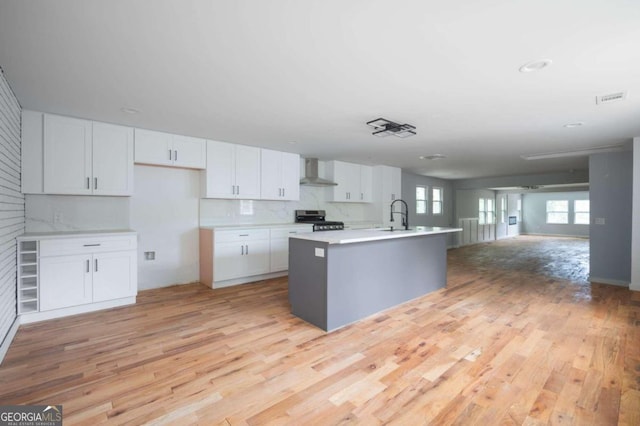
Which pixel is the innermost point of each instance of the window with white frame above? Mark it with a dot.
(421, 199)
(491, 211)
(503, 209)
(482, 211)
(558, 212)
(436, 201)
(581, 212)
(519, 209)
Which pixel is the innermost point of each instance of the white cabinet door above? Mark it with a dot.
(257, 257)
(219, 179)
(279, 254)
(114, 275)
(65, 281)
(247, 172)
(229, 261)
(280, 173)
(67, 155)
(271, 172)
(189, 152)
(153, 147)
(233, 171)
(347, 176)
(291, 176)
(112, 160)
(366, 184)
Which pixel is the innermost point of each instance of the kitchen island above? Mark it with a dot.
(339, 277)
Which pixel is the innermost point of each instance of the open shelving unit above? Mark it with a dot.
(28, 281)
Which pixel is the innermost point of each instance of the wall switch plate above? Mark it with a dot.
(600, 221)
(319, 252)
(149, 255)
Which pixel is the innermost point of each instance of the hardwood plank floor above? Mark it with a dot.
(506, 342)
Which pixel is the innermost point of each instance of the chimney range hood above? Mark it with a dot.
(311, 177)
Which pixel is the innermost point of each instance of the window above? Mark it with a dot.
(519, 208)
(503, 209)
(491, 211)
(581, 212)
(557, 212)
(421, 199)
(482, 212)
(436, 203)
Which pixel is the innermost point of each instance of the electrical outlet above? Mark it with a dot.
(149, 255)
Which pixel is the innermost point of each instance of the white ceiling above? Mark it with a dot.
(305, 76)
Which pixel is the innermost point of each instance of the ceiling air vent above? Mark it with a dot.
(611, 97)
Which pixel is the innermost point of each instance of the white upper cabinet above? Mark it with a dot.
(233, 171)
(112, 159)
(280, 175)
(354, 181)
(86, 158)
(67, 155)
(165, 149)
(391, 183)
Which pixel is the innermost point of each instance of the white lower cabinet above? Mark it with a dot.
(232, 256)
(65, 281)
(240, 253)
(280, 246)
(78, 274)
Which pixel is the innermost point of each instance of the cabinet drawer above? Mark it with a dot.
(65, 246)
(287, 232)
(241, 235)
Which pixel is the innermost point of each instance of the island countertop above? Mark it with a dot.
(362, 235)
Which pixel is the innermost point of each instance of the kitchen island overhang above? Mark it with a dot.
(339, 277)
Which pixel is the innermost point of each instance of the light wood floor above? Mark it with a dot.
(499, 345)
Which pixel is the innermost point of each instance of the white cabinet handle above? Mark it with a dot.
(87, 265)
(91, 245)
(283, 192)
(242, 250)
(175, 155)
(243, 235)
(170, 156)
(88, 183)
(95, 183)
(238, 187)
(247, 249)
(96, 265)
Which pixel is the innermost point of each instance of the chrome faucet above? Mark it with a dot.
(405, 214)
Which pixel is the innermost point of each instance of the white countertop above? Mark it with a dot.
(256, 226)
(75, 234)
(362, 235)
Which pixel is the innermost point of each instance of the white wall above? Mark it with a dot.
(164, 212)
(611, 193)
(534, 214)
(11, 210)
(635, 226)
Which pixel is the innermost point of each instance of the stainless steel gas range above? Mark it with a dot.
(317, 218)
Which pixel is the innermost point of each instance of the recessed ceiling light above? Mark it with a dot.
(535, 65)
(432, 157)
(129, 110)
(576, 124)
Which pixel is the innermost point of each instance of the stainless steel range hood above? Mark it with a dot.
(311, 177)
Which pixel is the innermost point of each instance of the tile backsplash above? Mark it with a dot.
(240, 212)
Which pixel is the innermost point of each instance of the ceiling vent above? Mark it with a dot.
(611, 97)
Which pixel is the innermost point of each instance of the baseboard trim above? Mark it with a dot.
(74, 310)
(246, 280)
(4, 347)
(609, 281)
(555, 235)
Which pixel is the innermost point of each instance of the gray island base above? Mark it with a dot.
(336, 280)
